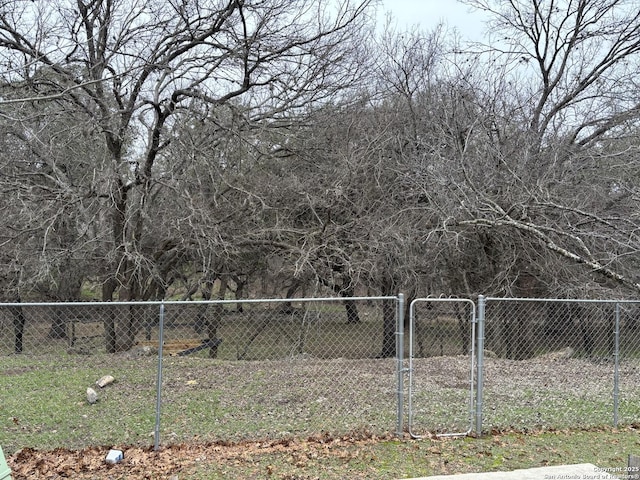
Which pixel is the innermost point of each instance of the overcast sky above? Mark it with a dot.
(429, 12)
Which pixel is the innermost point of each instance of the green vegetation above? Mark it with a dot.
(267, 419)
(402, 459)
(44, 404)
(351, 456)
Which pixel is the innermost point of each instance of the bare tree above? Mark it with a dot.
(568, 82)
(579, 56)
(126, 69)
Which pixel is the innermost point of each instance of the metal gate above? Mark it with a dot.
(441, 366)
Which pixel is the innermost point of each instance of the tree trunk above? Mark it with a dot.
(216, 317)
(241, 284)
(287, 307)
(201, 323)
(126, 337)
(19, 321)
(388, 321)
(109, 321)
(350, 306)
(69, 286)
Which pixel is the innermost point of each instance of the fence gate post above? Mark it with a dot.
(156, 435)
(616, 367)
(400, 364)
(480, 362)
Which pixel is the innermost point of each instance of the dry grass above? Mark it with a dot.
(209, 400)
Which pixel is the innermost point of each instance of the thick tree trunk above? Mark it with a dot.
(241, 284)
(19, 321)
(350, 306)
(287, 307)
(216, 318)
(201, 321)
(388, 321)
(109, 322)
(139, 317)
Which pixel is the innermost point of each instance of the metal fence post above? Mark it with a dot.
(616, 367)
(480, 362)
(400, 364)
(156, 434)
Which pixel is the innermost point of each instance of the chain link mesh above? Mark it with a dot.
(231, 371)
(441, 379)
(560, 363)
(273, 368)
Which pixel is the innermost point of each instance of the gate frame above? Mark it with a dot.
(473, 380)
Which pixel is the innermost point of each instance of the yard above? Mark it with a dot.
(304, 417)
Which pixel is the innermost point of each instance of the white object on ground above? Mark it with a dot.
(92, 395)
(114, 456)
(104, 381)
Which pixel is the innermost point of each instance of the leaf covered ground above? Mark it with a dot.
(357, 456)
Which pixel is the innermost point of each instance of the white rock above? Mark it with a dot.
(104, 381)
(92, 395)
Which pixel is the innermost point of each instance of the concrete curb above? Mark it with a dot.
(582, 471)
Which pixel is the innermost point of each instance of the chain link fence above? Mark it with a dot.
(273, 369)
(441, 367)
(560, 363)
(253, 369)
